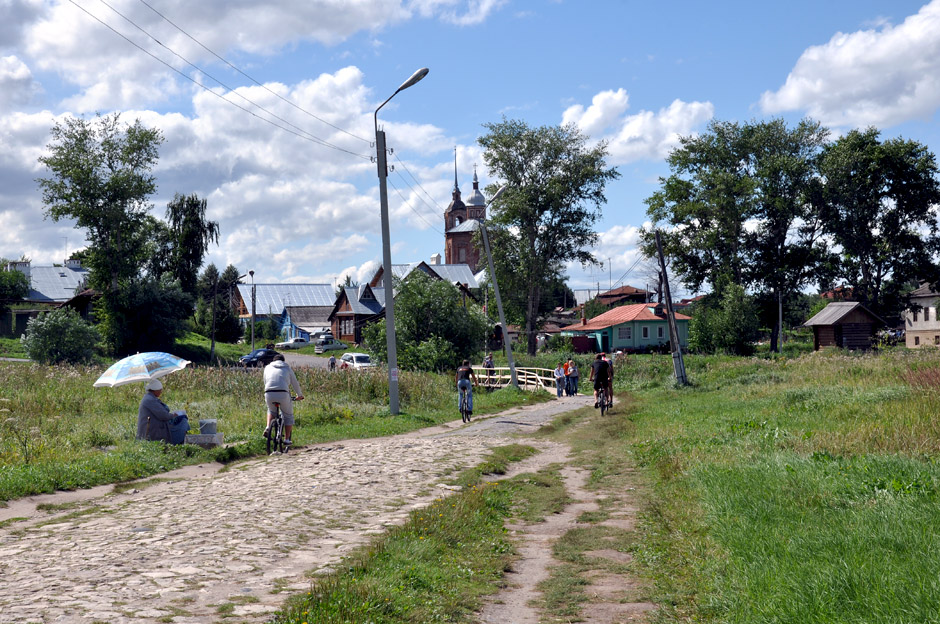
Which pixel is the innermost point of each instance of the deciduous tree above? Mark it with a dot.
(546, 218)
(880, 202)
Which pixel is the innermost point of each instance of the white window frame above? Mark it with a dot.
(624, 332)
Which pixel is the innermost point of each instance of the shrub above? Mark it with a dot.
(60, 336)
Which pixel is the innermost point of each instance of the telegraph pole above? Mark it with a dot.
(677, 363)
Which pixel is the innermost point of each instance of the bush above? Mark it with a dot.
(60, 336)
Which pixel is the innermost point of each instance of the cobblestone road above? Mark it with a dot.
(193, 550)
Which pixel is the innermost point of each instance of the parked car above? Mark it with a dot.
(293, 343)
(257, 358)
(357, 361)
(326, 333)
(328, 344)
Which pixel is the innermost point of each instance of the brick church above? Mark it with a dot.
(461, 220)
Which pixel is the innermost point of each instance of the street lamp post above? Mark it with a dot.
(499, 302)
(252, 274)
(387, 250)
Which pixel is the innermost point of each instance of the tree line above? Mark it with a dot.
(99, 173)
(765, 207)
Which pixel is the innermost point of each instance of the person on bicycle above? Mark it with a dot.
(600, 375)
(464, 378)
(489, 366)
(278, 380)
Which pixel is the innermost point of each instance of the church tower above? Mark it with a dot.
(461, 220)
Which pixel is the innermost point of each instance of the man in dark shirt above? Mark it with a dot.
(600, 375)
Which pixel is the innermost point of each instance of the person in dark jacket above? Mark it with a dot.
(153, 416)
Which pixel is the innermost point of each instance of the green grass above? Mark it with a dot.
(59, 432)
(790, 490)
(435, 568)
(11, 348)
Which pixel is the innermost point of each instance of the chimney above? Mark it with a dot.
(22, 267)
(435, 258)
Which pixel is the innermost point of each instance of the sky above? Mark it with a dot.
(267, 108)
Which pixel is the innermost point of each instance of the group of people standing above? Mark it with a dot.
(567, 376)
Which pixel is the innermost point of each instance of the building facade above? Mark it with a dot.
(461, 221)
(921, 324)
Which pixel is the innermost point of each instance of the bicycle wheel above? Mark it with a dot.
(602, 399)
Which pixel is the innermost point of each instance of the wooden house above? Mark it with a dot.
(921, 322)
(354, 308)
(631, 328)
(844, 324)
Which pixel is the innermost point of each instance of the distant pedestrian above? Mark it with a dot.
(567, 381)
(573, 376)
(332, 362)
(560, 378)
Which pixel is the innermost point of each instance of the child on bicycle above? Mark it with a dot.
(463, 378)
(278, 380)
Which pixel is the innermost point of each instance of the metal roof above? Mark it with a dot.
(55, 283)
(470, 225)
(833, 313)
(364, 306)
(273, 298)
(455, 273)
(447, 272)
(625, 314)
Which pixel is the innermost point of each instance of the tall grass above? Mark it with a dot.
(58, 431)
(794, 489)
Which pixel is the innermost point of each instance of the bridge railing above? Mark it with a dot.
(528, 378)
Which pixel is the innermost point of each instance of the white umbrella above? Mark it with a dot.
(141, 367)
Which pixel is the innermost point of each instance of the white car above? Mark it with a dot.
(294, 343)
(357, 361)
(328, 344)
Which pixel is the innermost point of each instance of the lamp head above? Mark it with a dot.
(415, 77)
(499, 192)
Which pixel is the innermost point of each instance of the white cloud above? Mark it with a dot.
(16, 82)
(457, 12)
(645, 135)
(870, 77)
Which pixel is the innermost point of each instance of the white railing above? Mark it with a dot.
(528, 378)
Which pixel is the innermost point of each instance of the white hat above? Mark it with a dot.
(155, 384)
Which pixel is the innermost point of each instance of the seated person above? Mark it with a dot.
(153, 416)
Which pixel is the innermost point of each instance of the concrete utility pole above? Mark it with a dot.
(678, 364)
(499, 302)
(381, 158)
(252, 274)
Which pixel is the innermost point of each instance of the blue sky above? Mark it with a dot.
(636, 74)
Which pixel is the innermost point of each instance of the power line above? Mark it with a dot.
(420, 216)
(265, 87)
(431, 205)
(233, 91)
(301, 134)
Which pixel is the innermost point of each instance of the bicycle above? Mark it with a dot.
(464, 408)
(275, 436)
(602, 400)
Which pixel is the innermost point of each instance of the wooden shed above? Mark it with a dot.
(845, 324)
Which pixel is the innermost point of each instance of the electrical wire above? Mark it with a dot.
(431, 205)
(301, 134)
(265, 87)
(406, 203)
(230, 89)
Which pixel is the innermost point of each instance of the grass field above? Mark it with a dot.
(786, 489)
(790, 490)
(59, 432)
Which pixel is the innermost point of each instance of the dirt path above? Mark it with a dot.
(208, 543)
